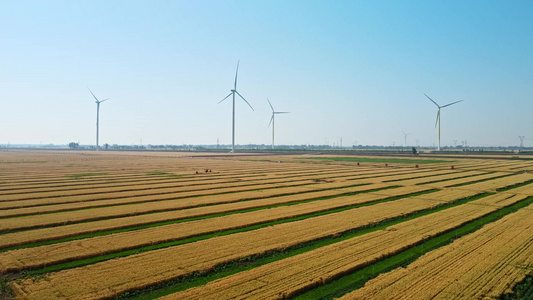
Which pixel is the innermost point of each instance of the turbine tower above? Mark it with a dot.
(233, 92)
(272, 119)
(438, 113)
(97, 114)
(405, 138)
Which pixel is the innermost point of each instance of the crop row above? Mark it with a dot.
(466, 180)
(202, 188)
(499, 183)
(426, 179)
(74, 182)
(141, 186)
(485, 264)
(31, 258)
(22, 237)
(66, 217)
(26, 177)
(285, 278)
(79, 202)
(114, 277)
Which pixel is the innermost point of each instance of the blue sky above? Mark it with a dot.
(355, 70)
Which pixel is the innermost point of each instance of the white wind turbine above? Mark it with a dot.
(97, 114)
(405, 138)
(438, 113)
(233, 92)
(272, 119)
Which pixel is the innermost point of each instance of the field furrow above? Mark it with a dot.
(111, 278)
(18, 260)
(485, 264)
(287, 277)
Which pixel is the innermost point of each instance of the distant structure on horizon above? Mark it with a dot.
(272, 119)
(438, 113)
(233, 92)
(97, 114)
(405, 138)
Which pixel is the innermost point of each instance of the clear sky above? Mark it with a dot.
(355, 70)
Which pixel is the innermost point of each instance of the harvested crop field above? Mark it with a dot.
(149, 225)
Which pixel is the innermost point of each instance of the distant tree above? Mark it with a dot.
(414, 151)
(73, 145)
(106, 146)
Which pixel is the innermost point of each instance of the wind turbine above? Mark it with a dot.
(272, 119)
(97, 114)
(233, 92)
(405, 138)
(438, 113)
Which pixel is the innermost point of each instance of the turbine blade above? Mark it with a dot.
(271, 119)
(92, 94)
(104, 100)
(270, 105)
(225, 97)
(437, 120)
(452, 103)
(282, 112)
(236, 72)
(244, 100)
(432, 100)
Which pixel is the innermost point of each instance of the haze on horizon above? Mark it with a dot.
(355, 70)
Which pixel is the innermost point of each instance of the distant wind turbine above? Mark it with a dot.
(438, 113)
(405, 138)
(272, 119)
(233, 92)
(97, 114)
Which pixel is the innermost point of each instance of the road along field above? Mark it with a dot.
(141, 225)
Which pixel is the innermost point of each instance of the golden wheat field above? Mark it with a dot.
(187, 225)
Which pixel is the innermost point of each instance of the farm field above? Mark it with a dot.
(176, 225)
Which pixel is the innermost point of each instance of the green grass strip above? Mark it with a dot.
(92, 260)
(357, 279)
(415, 176)
(157, 224)
(448, 179)
(24, 162)
(164, 173)
(521, 291)
(161, 200)
(510, 187)
(201, 205)
(478, 181)
(382, 160)
(82, 175)
(247, 263)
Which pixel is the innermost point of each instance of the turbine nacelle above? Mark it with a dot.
(100, 101)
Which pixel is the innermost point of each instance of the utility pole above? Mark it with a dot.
(521, 142)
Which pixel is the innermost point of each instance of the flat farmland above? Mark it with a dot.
(187, 225)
